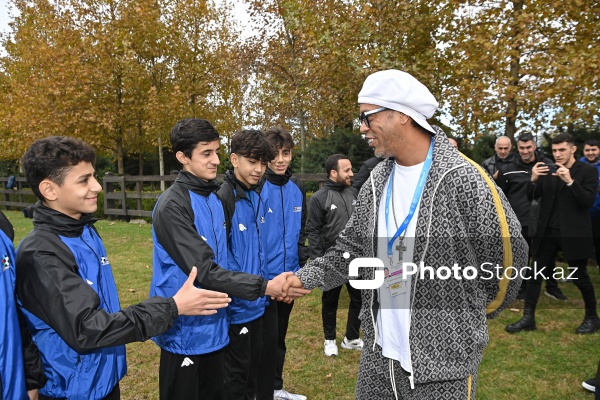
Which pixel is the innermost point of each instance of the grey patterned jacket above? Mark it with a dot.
(457, 223)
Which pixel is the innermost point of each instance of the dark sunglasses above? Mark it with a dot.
(363, 117)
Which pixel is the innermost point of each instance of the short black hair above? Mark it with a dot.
(279, 138)
(525, 137)
(563, 137)
(332, 163)
(52, 157)
(252, 143)
(188, 132)
(592, 142)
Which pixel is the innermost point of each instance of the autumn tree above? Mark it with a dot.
(518, 63)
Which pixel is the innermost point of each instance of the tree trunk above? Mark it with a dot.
(161, 163)
(141, 164)
(515, 69)
(301, 121)
(120, 165)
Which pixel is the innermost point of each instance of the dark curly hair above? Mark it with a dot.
(187, 133)
(52, 157)
(279, 138)
(252, 144)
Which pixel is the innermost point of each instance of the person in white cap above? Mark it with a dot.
(424, 333)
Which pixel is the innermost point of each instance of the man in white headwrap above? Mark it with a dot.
(423, 338)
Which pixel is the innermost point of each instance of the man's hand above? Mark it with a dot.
(33, 394)
(495, 176)
(563, 173)
(193, 301)
(539, 169)
(293, 288)
(275, 285)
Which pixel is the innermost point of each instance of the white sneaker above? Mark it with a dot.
(330, 348)
(285, 395)
(355, 344)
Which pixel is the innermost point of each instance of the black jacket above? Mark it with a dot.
(514, 179)
(573, 202)
(494, 163)
(49, 287)
(329, 210)
(364, 172)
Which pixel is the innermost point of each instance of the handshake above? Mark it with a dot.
(286, 287)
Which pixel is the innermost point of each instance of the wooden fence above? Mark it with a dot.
(123, 195)
(19, 197)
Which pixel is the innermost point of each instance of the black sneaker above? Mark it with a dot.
(555, 294)
(590, 385)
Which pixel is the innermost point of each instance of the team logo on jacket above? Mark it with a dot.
(104, 260)
(297, 208)
(242, 227)
(5, 262)
(186, 362)
(333, 207)
(262, 219)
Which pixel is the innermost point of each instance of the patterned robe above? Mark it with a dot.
(457, 223)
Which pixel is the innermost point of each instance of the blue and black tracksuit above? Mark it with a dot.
(245, 218)
(68, 294)
(284, 241)
(12, 369)
(189, 229)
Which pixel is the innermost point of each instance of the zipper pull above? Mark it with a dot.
(411, 379)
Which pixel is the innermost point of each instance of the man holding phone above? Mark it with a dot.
(514, 179)
(564, 224)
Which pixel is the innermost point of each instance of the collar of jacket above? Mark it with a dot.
(585, 160)
(278, 180)
(329, 184)
(238, 186)
(195, 184)
(48, 219)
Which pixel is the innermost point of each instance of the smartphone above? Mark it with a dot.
(552, 168)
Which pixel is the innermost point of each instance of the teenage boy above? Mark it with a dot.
(65, 282)
(189, 229)
(284, 240)
(244, 214)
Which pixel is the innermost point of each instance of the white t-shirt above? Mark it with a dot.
(393, 317)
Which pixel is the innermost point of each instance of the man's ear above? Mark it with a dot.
(182, 158)
(235, 161)
(48, 189)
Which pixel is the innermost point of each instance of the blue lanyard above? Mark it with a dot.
(415, 200)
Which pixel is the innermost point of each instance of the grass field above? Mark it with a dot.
(549, 363)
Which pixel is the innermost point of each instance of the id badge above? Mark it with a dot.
(397, 286)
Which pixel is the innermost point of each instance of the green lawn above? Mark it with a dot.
(549, 363)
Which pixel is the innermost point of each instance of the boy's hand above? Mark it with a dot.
(293, 288)
(274, 285)
(193, 301)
